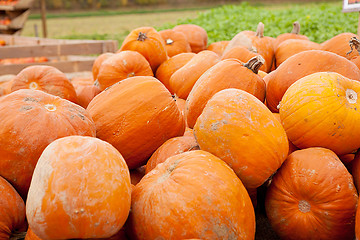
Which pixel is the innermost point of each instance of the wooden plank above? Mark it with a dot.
(19, 21)
(22, 4)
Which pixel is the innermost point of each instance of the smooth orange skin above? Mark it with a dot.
(59, 207)
(301, 65)
(152, 48)
(167, 68)
(290, 47)
(236, 127)
(339, 44)
(316, 113)
(317, 176)
(191, 195)
(218, 47)
(175, 42)
(136, 116)
(97, 63)
(12, 210)
(170, 148)
(356, 61)
(48, 79)
(228, 73)
(27, 127)
(122, 65)
(183, 80)
(195, 35)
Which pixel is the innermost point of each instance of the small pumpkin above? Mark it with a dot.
(195, 35)
(218, 47)
(175, 42)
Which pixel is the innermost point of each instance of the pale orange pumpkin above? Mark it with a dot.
(59, 207)
(195, 35)
(175, 42)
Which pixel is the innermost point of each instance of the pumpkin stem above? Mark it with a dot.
(255, 63)
(296, 28)
(354, 43)
(169, 41)
(17, 235)
(260, 30)
(142, 36)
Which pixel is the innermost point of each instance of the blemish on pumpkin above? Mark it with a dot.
(50, 107)
(81, 116)
(169, 41)
(351, 95)
(215, 126)
(304, 206)
(25, 108)
(169, 170)
(30, 99)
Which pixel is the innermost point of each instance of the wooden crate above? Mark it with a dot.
(18, 14)
(66, 55)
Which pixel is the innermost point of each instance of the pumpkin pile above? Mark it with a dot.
(175, 138)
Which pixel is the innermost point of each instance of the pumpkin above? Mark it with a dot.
(355, 170)
(45, 78)
(191, 195)
(301, 65)
(255, 41)
(218, 47)
(148, 42)
(195, 35)
(31, 119)
(339, 44)
(239, 129)
(59, 207)
(97, 63)
(292, 147)
(183, 80)
(167, 68)
(290, 47)
(12, 210)
(294, 34)
(136, 115)
(170, 148)
(357, 223)
(5, 83)
(175, 42)
(320, 110)
(85, 89)
(312, 196)
(122, 65)
(229, 73)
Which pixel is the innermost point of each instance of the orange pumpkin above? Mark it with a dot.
(238, 128)
(136, 116)
(175, 42)
(167, 68)
(320, 110)
(357, 223)
(170, 148)
(61, 209)
(292, 147)
(122, 65)
(191, 195)
(12, 210)
(354, 44)
(183, 80)
(85, 89)
(229, 73)
(355, 170)
(148, 42)
(294, 34)
(5, 84)
(31, 119)
(339, 44)
(97, 63)
(241, 53)
(301, 65)
(45, 78)
(218, 47)
(312, 196)
(195, 35)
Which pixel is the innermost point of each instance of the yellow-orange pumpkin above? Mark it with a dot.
(175, 42)
(195, 35)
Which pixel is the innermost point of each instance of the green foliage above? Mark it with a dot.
(318, 21)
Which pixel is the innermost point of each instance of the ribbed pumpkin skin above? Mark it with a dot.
(167, 68)
(31, 119)
(301, 65)
(229, 73)
(236, 127)
(97, 63)
(122, 65)
(339, 44)
(61, 205)
(45, 78)
(183, 80)
(191, 195)
(321, 110)
(312, 196)
(195, 35)
(175, 42)
(170, 148)
(12, 210)
(136, 116)
(148, 42)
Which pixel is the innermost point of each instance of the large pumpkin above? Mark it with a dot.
(229, 73)
(300, 65)
(12, 211)
(80, 189)
(175, 42)
(31, 119)
(312, 196)
(321, 110)
(191, 195)
(45, 78)
(339, 44)
(238, 128)
(195, 35)
(148, 42)
(136, 116)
